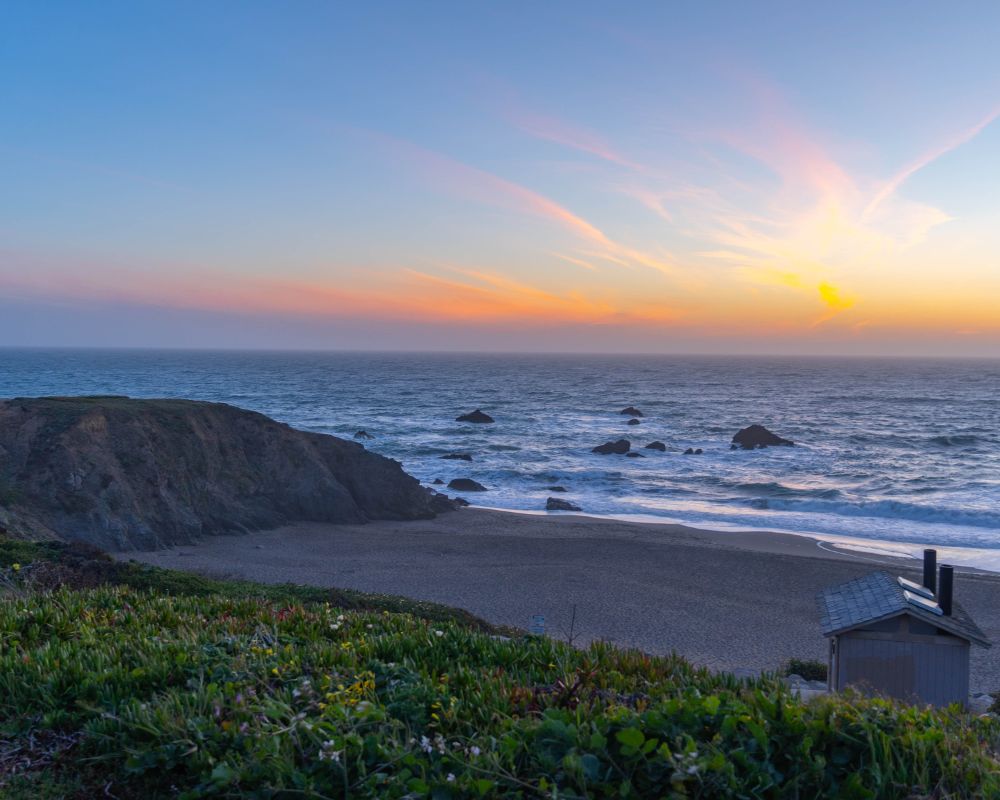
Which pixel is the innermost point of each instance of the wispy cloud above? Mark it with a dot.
(892, 185)
(573, 260)
(575, 137)
(485, 187)
(478, 184)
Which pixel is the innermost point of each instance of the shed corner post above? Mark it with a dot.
(831, 666)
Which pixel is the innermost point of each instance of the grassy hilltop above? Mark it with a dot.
(135, 682)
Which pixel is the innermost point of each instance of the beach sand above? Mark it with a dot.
(732, 601)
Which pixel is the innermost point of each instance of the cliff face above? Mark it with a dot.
(127, 474)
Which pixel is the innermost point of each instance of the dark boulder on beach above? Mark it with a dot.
(466, 485)
(363, 435)
(457, 456)
(124, 474)
(657, 446)
(556, 488)
(634, 422)
(631, 411)
(613, 448)
(475, 416)
(757, 436)
(555, 504)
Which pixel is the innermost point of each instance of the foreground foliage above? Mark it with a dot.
(124, 691)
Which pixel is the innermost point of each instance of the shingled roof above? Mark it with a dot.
(879, 596)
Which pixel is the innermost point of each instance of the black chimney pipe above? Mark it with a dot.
(930, 570)
(947, 587)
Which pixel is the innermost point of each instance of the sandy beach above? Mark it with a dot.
(733, 601)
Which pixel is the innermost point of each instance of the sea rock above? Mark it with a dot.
(438, 482)
(457, 456)
(126, 474)
(613, 448)
(363, 435)
(466, 485)
(657, 446)
(555, 504)
(631, 411)
(634, 454)
(556, 488)
(757, 436)
(475, 416)
(634, 422)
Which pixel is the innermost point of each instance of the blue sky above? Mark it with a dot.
(719, 177)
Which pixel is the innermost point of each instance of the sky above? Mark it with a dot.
(721, 177)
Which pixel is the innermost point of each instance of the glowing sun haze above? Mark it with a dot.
(724, 177)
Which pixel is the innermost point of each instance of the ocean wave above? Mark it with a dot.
(955, 440)
(775, 489)
(884, 509)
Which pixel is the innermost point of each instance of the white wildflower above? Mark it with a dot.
(439, 633)
(451, 777)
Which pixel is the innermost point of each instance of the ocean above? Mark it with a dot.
(902, 452)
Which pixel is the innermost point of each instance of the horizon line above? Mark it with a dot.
(520, 353)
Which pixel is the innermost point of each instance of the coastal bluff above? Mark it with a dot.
(129, 474)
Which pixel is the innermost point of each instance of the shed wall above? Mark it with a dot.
(935, 672)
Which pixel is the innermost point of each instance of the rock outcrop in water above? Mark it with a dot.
(475, 416)
(466, 485)
(657, 446)
(631, 411)
(127, 474)
(457, 456)
(613, 448)
(555, 504)
(757, 436)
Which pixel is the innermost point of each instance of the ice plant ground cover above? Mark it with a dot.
(133, 682)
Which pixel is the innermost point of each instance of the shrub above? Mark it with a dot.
(811, 670)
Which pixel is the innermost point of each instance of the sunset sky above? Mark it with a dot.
(663, 177)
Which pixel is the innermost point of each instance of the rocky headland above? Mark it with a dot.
(126, 474)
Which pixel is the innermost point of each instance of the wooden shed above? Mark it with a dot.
(893, 637)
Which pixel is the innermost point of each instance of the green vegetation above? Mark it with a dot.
(809, 669)
(144, 683)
